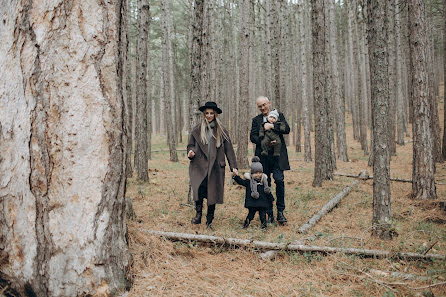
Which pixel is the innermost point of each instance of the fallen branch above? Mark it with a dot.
(396, 274)
(392, 178)
(327, 207)
(269, 255)
(264, 245)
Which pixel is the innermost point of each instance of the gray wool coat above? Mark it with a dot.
(212, 165)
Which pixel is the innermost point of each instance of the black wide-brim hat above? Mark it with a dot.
(210, 104)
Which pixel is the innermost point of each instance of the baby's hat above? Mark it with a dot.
(274, 113)
(256, 166)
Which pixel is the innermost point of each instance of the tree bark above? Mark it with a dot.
(338, 101)
(392, 75)
(444, 82)
(323, 168)
(423, 186)
(275, 52)
(304, 84)
(168, 79)
(377, 19)
(63, 148)
(141, 158)
(243, 127)
(399, 75)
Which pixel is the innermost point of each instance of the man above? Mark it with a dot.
(272, 165)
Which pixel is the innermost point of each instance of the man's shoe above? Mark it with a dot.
(281, 218)
(199, 212)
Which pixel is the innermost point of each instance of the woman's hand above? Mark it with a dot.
(234, 171)
(190, 154)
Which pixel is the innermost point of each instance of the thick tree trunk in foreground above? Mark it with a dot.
(380, 108)
(323, 165)
(63, 149)
(141, 158)
(423, 186)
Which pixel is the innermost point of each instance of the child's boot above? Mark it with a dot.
(246, 223)
(263, 219)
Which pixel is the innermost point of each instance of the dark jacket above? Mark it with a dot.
(199, 165)
(264, 200)
(281, 127)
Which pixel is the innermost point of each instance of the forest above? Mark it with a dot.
(98, 104)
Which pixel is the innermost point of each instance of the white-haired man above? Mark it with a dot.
(272, 166)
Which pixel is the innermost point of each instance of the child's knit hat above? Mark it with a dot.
(256, 166)
(274, 113)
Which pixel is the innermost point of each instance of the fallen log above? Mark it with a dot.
(264, 245)
(269, 255)
(392, 178)
(327, 207)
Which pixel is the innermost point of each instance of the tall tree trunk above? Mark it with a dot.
(392, 75)
(168, 79)
(141, 159)
(423, 185)
(268, 38)
(245, 33)
(304, 84)
(323, 168)
(63, 229)
(363, 100)
(338, 101)
(275, 52)
(399, 75)
(444, 82)
(352, 67)
(126, 87)
(382, 216)
(195, 72)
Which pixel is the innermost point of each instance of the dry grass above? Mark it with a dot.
(164, 268)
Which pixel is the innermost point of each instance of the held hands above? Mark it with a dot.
(234, 171)
(272, 143)
(268, 126)
(190, 154)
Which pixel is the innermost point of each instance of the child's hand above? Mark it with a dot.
(234, 172)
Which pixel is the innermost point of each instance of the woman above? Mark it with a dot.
(208, 144)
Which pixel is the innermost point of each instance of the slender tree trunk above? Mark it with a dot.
(275, 52)
(63, 229)
(168, 79)
(323, 168)
(423, 185)
(382, 216)
(304, 84)
(352, 67)
(245, 33)
(444, 82)
(363, 99)
(338, 102)
(141, 159)
(195, 71)
(392, 75)
(126, 84)
(399, 75)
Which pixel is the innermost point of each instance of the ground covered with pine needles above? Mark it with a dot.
(165, 268)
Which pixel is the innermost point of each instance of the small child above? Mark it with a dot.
(258, 195)
(270, 135)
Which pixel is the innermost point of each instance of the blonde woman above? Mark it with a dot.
(208, 144)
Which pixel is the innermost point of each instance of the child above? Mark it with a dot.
(270, 135)
(258, 195)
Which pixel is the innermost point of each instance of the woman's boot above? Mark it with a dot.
(262, 215)
(199, 212)
(210, 215)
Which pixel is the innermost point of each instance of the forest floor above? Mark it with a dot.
(165, 268)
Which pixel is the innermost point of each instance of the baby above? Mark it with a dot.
(270, 135)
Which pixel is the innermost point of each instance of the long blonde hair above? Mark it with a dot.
(219, 134)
